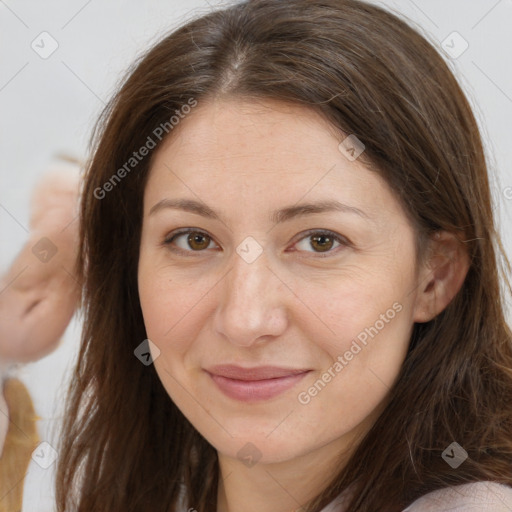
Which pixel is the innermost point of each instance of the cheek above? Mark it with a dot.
(156, 301)
(352, 306)
(363, 362)
(366, 325)
(358, 376)
(155, 304)
(172, 306)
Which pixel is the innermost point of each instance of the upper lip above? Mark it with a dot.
(257, 373)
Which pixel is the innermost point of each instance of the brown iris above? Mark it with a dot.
(195, 238)
(325, 242)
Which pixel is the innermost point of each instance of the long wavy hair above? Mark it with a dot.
(125, 445)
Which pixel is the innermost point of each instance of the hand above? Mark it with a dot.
(39, 293)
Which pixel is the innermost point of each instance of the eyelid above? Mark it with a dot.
(343, 241)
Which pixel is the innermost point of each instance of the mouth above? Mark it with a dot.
(255, 384)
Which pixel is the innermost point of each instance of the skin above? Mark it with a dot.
(294, 306)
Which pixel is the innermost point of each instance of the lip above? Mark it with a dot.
(252, 384)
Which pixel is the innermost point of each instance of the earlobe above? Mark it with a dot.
(441, 276)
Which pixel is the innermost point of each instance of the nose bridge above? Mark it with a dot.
(247, 280)
(248, 306)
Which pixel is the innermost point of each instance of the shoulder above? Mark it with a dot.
(472, 497)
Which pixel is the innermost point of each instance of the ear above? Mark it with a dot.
(441, 275)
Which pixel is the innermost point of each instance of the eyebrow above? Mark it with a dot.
(276, 217)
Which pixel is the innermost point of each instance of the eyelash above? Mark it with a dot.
(338, 238)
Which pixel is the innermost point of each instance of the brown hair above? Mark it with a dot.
(125, 445)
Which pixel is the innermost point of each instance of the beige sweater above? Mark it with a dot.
(474, 497)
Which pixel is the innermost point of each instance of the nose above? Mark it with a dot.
(252, 303)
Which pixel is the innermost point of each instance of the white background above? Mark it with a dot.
(48, 106)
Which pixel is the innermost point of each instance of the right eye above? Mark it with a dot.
(195, 241)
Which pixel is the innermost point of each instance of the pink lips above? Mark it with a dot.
(251, 384)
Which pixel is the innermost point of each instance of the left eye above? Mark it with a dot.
(323, 240)
(196, 240)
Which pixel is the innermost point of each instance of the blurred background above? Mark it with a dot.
(60, 62)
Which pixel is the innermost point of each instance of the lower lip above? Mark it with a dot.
(250, 391)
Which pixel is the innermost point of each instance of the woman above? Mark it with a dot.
(290, 286)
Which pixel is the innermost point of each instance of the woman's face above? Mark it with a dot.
(247, 275)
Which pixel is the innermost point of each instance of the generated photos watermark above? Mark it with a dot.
(158, 133)
(342, 361)
(454, 455)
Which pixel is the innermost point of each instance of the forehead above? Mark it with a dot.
(234, 127)
(263, 153)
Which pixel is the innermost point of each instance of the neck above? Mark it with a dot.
(278, 486)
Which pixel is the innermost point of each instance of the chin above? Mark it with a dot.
(259, 448)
